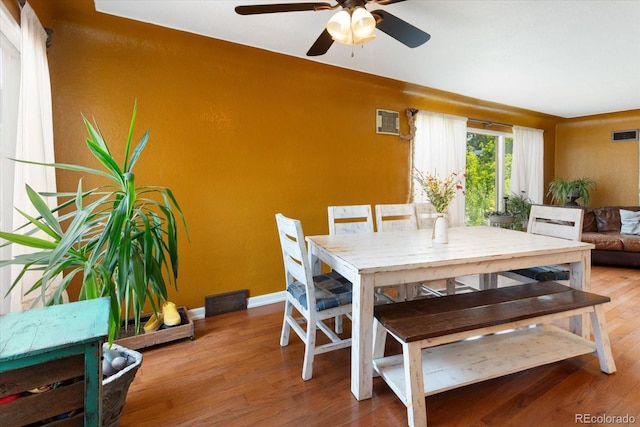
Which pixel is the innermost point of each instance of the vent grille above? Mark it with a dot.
(624, 135)
(387, 122)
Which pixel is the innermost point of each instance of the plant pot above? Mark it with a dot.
(501, 220)
(115, 387)
(572, 199)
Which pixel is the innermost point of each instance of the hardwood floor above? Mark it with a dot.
(236, 374)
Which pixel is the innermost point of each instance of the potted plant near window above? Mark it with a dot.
(515, 215)
(503, 219)
(120, 240)
(566, 192)
(519, 205)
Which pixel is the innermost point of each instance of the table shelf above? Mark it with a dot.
(470, 361)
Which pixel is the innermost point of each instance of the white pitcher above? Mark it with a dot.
(440, 232)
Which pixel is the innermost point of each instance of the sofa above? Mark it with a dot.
(609, 232)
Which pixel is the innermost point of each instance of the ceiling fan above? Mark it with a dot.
(353, 24)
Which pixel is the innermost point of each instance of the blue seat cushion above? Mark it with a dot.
(332, 290)
(542, 274)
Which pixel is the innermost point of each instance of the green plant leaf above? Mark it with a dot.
(29, 241)
(41, 226)
(138, 149)
(54, 228)
(108, 162)
(126, 166)
(69, 167)
(94, 134)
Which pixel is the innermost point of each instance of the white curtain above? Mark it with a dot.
(9, 96)
(34, 140)
(440, 147)
(527, 163)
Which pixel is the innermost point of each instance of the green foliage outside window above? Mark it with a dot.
(480, 192)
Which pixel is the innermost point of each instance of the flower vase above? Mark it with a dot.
(440, 232)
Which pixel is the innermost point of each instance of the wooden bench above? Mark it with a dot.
(437, 354)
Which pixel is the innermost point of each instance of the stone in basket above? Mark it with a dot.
(116, 386)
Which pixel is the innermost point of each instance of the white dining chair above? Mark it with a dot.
(425, 215)
(553, 221)
(397, 217)
(394, 217)
(556, 221)
(350, 219)
(315, 298)
(359, 219)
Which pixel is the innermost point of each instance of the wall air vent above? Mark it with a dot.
(624, 135)
(387, 122)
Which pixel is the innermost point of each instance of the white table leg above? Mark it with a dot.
(603, 345)
(362, 338)
(314, 262)
(580, 278)
(416, 405)
(488, 281)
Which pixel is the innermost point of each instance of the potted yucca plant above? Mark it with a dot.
(120, 240)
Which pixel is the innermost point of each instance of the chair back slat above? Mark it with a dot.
(425, 215)
(556, 221)
(394, 217)
(350, 219)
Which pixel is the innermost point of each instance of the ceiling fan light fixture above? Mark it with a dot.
(363, 24)
(339, 26)
(352, 27)
(364, 39)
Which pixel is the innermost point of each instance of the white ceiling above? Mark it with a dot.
(566, 58)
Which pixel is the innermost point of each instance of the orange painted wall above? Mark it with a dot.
(238, 134)
(584, 149)
(14, 9)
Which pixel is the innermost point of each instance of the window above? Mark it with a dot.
(488, 179)
(497, 164)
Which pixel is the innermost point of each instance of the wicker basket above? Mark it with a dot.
(115, 388)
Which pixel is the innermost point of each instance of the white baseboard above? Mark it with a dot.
(196, 313)
(252, 302)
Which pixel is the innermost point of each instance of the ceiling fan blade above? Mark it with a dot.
(386, 2)
(280, 7)
(400, 30)
(321, 45)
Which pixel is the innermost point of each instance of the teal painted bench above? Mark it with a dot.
(437, 354)
(44, 346)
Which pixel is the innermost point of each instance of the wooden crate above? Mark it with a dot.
(166, 334)
(67, 398)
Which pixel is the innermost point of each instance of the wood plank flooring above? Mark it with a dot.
(236, 374)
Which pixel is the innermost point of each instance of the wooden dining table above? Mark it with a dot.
(371, 260)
